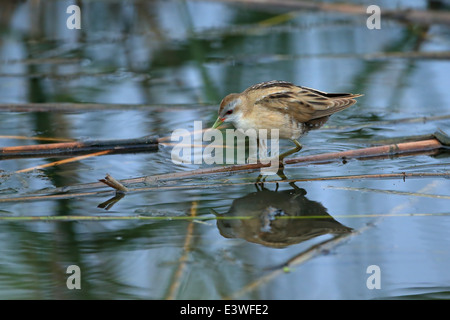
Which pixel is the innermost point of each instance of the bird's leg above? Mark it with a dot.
(280, 158)
(297, 148)
(260, 182)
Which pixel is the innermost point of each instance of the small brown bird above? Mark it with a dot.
(293, 110)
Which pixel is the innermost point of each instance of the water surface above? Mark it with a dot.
(153, 67)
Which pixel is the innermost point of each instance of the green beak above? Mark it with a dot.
(217, 123)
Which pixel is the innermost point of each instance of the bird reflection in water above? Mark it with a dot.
(278, 218)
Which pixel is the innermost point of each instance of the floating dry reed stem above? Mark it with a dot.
(364, 153)
(52, 194)
(147, 143)
(113, 183)
(64, 161)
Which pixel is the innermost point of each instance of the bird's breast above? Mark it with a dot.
(287, 126)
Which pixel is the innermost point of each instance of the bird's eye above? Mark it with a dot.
(229, 112)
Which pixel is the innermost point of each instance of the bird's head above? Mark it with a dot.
(230, 110)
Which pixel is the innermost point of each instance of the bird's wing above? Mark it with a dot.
(305, 104)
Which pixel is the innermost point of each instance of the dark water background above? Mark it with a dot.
(153, 67)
